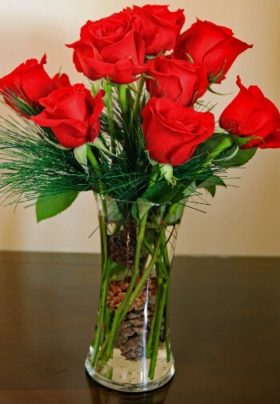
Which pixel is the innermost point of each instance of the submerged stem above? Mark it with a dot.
(120, 312)
(101, 322)
(157, 331)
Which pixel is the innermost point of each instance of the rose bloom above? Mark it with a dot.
(212, 45)
(159, 27)
(110, 48)
(30, 82)
(172, 132)
(72, 114)
(252, 114)
(176, 79)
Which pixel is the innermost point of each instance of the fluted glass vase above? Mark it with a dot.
(131, 350)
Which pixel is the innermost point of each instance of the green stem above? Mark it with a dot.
(136, 108)
(92, 159)
(130, 300)
(167, 325)
(152, 329)
(108, 346)
(167, 316)
(109, 107)
(101, 323)
(161, 310)
(145, 276)
(157, 332)
(123, 98)
(100, 333)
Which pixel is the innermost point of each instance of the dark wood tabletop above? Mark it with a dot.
(225, 326)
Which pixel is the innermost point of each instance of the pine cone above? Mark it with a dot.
(122, 246)
(117, 291)
(134, 333)
(135, 327)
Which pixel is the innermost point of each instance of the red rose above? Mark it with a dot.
(176, 79)
(251, 114)
(110, 48)
(172, 132)
(30, 82)
(159, 27)
(212, 45)
(72, 113)
(272, 141)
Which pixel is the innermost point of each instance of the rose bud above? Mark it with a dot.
(72, 114)
(251, 114)
(159, 27)
(176, 79)
(212, 45)
(110, 48)
(172, 132)
(30, 82)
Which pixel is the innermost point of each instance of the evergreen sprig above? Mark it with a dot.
(34, 165)
(30, 165)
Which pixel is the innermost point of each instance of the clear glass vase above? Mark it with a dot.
(131, 349)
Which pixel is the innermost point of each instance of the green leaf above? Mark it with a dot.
(166, 171)
(214, 146)
(189, 190)
(175, 213)
(241, 140)
(211, 183)
(211, 189)
(49, 206)
(141, 207)
(80, 154)
(239, 159)
(213, 180)
(162, 192)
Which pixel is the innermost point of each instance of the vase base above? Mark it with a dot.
(133, 372)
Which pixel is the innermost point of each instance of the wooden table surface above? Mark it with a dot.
(225, 326)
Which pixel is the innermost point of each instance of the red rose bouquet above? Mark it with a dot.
(142, 139)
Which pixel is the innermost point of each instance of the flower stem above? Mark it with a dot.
(101, 326)
(167, 319)
(136, 108)
(152, 329)
(109, 106)
(123, 98)
(101, 323)
(129, 301)
(157, 331)
(92, 159)
(120, 312)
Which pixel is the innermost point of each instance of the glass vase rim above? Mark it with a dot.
(156, 204)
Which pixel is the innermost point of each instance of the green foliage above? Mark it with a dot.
(237, 159)
(141, 208)
(211, 183)
(33, 166)
(175, 213)
(49, 206)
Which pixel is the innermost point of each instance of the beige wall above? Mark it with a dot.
(243, 221)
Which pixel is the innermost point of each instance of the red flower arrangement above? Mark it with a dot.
(144, 141)
(119, 48)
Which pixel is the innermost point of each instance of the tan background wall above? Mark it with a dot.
(243, 221)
